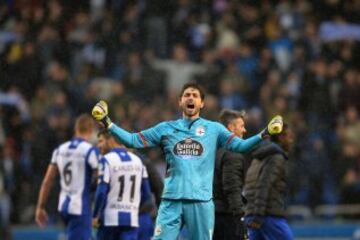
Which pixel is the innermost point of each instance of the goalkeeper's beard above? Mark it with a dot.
(191, 112)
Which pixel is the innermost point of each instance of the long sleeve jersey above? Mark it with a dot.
(190, 148)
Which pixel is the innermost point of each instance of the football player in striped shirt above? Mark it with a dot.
(75, 161)
(122, 187)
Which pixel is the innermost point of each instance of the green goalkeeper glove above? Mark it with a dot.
(274, 127)
(100, 113)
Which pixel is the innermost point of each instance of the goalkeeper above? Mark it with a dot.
(189, 145)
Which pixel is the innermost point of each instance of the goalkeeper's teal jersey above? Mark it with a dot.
(190, 149)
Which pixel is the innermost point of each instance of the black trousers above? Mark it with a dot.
(229, 227)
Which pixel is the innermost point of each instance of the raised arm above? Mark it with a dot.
(147, 138)
(236, 144)
(240, 145)
(233, 143)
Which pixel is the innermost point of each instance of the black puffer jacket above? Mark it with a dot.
(228, 182)
(265, 182)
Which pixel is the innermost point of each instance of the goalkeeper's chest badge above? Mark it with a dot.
(200, 131)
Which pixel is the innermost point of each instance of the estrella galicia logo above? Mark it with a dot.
(188, 147)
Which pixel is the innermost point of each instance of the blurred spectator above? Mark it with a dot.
(315, 99)
(317, 184)
(229, 97)
(5, 201)
(349, 127)
(350, 181)
(179, 70)
(227, 39)
(250, 22)
(349, 93)
(13, 98)
(282, 48)
(157, 36)
(140, 80)
(211, 77)
(247, 64)
(269, 90)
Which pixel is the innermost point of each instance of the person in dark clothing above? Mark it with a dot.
(155, 179)
(265, 189)
(146, 223)
(228, 183)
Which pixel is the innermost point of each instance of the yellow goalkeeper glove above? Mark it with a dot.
(100, 113)
(274, 127)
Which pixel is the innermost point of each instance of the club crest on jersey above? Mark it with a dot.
(188, 147)
(200, 131)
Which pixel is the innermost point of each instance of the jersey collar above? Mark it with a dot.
(79, 139)
(188, 123)
(75, 141)
(118, 149)
(122, 153)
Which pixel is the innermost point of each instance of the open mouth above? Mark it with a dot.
(190, 106)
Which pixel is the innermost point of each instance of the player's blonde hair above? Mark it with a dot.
(84, 123)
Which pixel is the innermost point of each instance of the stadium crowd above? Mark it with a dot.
(59, 57)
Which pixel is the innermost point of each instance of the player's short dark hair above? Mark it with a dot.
(193, 85)
(227, 116)
(84, 123)
(104, 132)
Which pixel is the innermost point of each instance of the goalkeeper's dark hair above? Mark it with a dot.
(227, 116)
(84, 123)
(193, 85)
(276, 138)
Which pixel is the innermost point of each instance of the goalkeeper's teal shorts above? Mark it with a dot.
(197, 216)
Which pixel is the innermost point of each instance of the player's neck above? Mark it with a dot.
(190, 118)
(114, 146)
(85, 137)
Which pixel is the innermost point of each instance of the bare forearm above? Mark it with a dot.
(44, 193)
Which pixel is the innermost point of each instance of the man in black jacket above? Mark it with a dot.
(228, 183)
(146, 223)
(266, 187)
